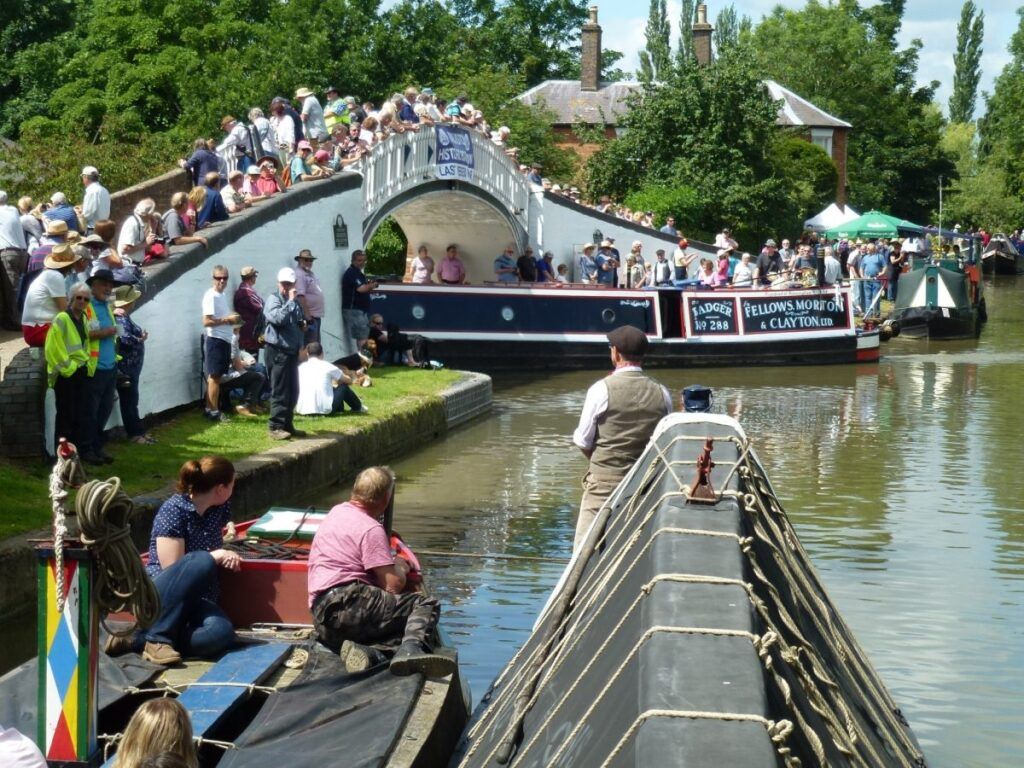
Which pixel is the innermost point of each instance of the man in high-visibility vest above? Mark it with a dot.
(99, 398)
(69, 363)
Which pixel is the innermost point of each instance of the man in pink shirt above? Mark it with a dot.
(309, 295)
(356, 582)
(450, 270)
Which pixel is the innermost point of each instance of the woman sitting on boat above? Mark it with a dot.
(185, 550)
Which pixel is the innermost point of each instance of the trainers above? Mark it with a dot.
(364, 409)
(413, 657)
(118, 645)
(216, 416)
(359, 658)
(279, 434)
(161, 653)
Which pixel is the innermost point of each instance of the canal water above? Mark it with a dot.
(900, 477)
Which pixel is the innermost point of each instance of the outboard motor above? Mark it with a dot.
(697, 399)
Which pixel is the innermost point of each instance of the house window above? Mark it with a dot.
(823, 138)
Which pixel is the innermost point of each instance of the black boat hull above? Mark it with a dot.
(1000, 264)
(923, 323)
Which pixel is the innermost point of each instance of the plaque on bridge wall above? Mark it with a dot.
(710, 316)
(454, 153)
(786, 314)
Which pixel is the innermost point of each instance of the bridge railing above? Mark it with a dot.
(407, 160)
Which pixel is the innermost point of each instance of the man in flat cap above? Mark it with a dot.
(619, 417)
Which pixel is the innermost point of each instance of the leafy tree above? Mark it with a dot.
(687, 15)
(967, 63)
(807, 172)
(657, 58)
(385, 252)
(727, 28)
(706, 129)
(852, 71)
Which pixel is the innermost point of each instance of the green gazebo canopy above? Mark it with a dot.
(874, 224)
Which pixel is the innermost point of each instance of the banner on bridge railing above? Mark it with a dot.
(454, 152)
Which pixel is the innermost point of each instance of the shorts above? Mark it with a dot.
(357, 324)
(216, 356)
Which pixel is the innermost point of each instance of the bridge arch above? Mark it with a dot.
(480, 200)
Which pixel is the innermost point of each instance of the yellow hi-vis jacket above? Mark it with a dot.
(66, 351)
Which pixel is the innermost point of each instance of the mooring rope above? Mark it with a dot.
(122, 584)
(67, 472)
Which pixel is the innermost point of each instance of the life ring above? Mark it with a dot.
(400, 549)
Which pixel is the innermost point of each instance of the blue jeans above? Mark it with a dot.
(191, 622)
(343, 395)
(869, 289)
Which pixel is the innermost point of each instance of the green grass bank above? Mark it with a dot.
(398, 396)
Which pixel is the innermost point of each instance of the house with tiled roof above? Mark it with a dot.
(597, 103)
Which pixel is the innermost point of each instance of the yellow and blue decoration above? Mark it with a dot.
(68, 642)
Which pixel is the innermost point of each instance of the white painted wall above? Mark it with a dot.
(564, 230)
(173, 317)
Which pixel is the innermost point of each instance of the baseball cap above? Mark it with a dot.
(90, 170)
(286, 275)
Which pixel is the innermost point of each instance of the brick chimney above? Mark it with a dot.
(590, 61)
(702, 36)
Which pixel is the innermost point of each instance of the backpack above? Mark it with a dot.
(420, 349)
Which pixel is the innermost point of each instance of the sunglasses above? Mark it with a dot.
(218, 278)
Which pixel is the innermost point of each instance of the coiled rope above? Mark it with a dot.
(122, 584)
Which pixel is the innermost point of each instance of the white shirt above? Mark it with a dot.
(95, 204)
(216, 305)
(284, 129)
(265, 131)
(833, 270)
(39, 307)
(234, 200)
(18, 750)
(742, 276)
(133, 232)
(315, 127)
(597, 403)
(723, 242)
(237, 137)
(12, 234)
(316, 387)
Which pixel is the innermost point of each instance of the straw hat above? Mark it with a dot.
(61, 256)
(303, 93)
(56, 227)
(125, 295)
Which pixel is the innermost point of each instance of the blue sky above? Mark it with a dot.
(932, 21)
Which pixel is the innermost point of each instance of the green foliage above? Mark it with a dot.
(656, 59)
(852, 70)
(727, 28)
(808, 172)
(720, 150)
(385, 253)
(681, 202)
(967, 63)
(687, 15)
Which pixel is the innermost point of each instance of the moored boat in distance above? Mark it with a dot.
(690, 629)
(534, 325)
(941, 299)
(1001, 257)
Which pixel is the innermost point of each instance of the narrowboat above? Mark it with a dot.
(546, 326)
(940, 299)
(277, 697)
(690, 628)
(1001, 257)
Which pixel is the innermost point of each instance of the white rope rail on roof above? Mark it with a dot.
(782, 647)
(778, 731)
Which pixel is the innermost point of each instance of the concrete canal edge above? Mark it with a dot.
(296, 469)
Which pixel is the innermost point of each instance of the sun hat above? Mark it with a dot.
(92, 240)
(102, 274)
(253, 170)
(226, 120)
(303, 93)
(125, 295)
(61, 256)
(330, 89)
(769, 243)
(286, 275)
(322, 156)
(311, 257)
(304, 145)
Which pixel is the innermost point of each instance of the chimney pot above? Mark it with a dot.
(590, 58)
(702, 36)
